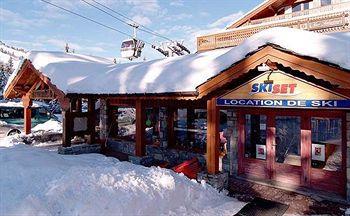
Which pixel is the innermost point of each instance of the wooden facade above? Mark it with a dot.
(320, 19)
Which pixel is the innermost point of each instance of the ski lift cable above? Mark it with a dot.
(99, 23)
(145, 29)
(121, 20)
(92, 20)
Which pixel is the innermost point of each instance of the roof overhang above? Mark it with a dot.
(28, 82)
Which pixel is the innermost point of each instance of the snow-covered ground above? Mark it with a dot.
(35, 181)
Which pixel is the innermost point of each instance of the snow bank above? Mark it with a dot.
(38, 182)
(73, 73)
(19, 104)
(49, 126)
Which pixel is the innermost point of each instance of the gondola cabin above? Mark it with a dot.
(131, 48)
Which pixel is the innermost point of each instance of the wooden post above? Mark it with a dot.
(213, 136)
(27, 103)
(91, 120)
(271, 145)
(140, 147)
(170, 126)
(306, 150)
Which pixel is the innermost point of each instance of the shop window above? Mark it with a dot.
(255, 136)
(326, 143)
(326, 2)
(125, 120)
(288, 140)
(307, 6)
(190, 129)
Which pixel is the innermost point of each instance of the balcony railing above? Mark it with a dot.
(325, 19)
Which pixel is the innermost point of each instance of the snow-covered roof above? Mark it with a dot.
(73, 73)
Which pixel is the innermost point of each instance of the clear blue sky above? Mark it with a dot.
(34, 25)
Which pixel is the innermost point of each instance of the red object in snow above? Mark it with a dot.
(189, 168)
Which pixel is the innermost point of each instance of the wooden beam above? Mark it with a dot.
(213, 136)
(140, 147)
(270, 144)
(306, 150)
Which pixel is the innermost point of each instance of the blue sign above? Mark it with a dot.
(284, 103)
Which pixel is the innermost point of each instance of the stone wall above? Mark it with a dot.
(80, 149)
(348, 155)
(126, 147)
(230, 161)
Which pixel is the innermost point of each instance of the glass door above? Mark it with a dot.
(287, 160)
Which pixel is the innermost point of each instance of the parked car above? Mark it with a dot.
(12, 121)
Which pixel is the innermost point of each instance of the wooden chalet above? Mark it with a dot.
(322, 16)
(282, 112)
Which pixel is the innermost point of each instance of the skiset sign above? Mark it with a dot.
(282, 90)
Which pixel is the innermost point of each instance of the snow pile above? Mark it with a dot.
(38, 182)
(49, 126)
(73, 73)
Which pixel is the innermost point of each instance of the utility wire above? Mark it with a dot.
(91, 20)
(145, 29)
